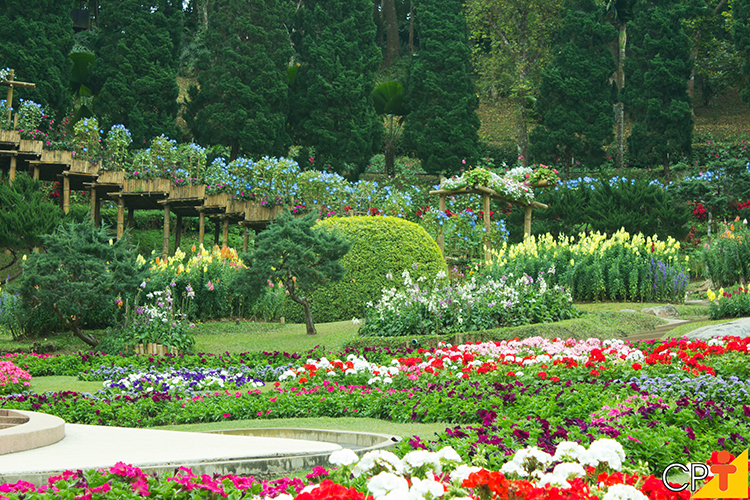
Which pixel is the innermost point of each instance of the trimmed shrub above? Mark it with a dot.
(382, 248)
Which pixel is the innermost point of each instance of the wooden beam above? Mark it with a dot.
(225, 233)
(178, 232)
(11, 82)
(487, 241)
(165, 242)
(92, 202)
(120, 217)
(66, 194)
(12, 174)
(527, 222)
(201, 227)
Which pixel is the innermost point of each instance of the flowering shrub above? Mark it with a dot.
(442, 307)
(183, 382)
(727, 257)
(732, 304)
(269, 181)
(158, 320)
(117, 143)
(597, 267)
(30, 115)
(506, 186)
(203, 275)
(12, 378)
(87, 140)
(463, 231)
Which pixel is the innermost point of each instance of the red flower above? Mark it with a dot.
(594, 373)
(554, 379)
(637, 366)
(542, 375)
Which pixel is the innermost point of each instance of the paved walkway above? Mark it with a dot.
(92, 447)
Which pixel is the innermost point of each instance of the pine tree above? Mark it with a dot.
(443, 123)
(575, 103)
(332, 110)
(655, 94)
(136, 66)
(35, 38)
(741, 35)
(242, 100)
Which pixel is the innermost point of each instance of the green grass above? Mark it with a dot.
(682, 330)
(61, 383)
(425, 431)
(686, 311)
(246, 336)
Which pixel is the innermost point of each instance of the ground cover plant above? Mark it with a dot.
(662, 401)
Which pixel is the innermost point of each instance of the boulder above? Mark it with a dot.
(667, 311)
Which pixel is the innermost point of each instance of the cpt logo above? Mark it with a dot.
(729, 481)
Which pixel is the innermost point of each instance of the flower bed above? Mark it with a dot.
(499, 396)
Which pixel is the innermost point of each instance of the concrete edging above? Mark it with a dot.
(40, 430)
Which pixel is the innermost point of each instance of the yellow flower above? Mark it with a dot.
(711, 295)
(24, 257)
(110, 242)
(572, 262)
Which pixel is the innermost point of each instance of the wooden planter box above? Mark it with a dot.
(187, 192)
(154, 349)
(84, 167)
(237, 206)
(137, 186)
(29, 146)
(57, 157)
(257, 212)
(111, 177)
(221, 200)
(10, 136)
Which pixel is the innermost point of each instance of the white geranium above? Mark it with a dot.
(463, 472)
(569, 470)
(385, 483)
(605, 451)
(343, 457)
(569, 451)
(418, 458)
(553, 480)
(386, 460)
(420, 488)
(623, 492)
(449, 454)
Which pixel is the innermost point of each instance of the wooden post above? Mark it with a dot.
(201, 227)
(225, 233)
(246, 240)
(66, 194)
(178, 232)
(217, 229)
(131, 221)
(165, 245)
(36, 172)
(120, 217)
(92, 200)
(98, 213)
(9, 100)
(487, 241)
(12, 174)
(527, 222)
(441, 229)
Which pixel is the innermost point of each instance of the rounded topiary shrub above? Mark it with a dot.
(382, 248)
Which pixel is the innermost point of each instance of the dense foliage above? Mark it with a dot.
(331, 107)
(25, 215)
(241, 97)
(442, 124)
(137, 48)
(35, 38)
(380, 246)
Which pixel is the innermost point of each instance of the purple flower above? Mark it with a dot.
(521, 435)
(689, 432)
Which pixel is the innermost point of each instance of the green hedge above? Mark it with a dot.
(381, 246)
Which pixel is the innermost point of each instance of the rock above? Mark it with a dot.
(628, 311)
(737, 328)
(667, 311)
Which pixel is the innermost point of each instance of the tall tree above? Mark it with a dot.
(331, 107)
(575, 103)
(656, 94)
(620, 12)
(35, 38)
(443, 123)
(741, 14)
(136, 68)
(514, 35)
(241, 100)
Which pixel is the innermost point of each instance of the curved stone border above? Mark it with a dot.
(39, 430)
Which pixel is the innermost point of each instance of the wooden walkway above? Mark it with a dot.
(17, 154)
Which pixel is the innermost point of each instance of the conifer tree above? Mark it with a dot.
(575, 103)
(443, 123)
(242, 100)
(35, 38)
(331, 107)
(655, 94)
(741, 35)
(136, 66)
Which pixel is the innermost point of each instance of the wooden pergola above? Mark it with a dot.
(487, 195)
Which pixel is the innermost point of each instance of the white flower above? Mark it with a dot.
(553, 480)
(569, 450)
(356, 321)
(463, 472)
(448, 453)
(568, 470)
(606, 451)
(343, 457)
(424, 487)
(378, 458)
(418, 458)
(623, 492)
(385, 483)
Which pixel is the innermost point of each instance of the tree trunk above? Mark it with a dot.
(411, 28)
(310, 326)
(522, 136)
(619, 107)
(391, 31)
(73, 327)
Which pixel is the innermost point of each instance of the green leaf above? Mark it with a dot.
(388, 99)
